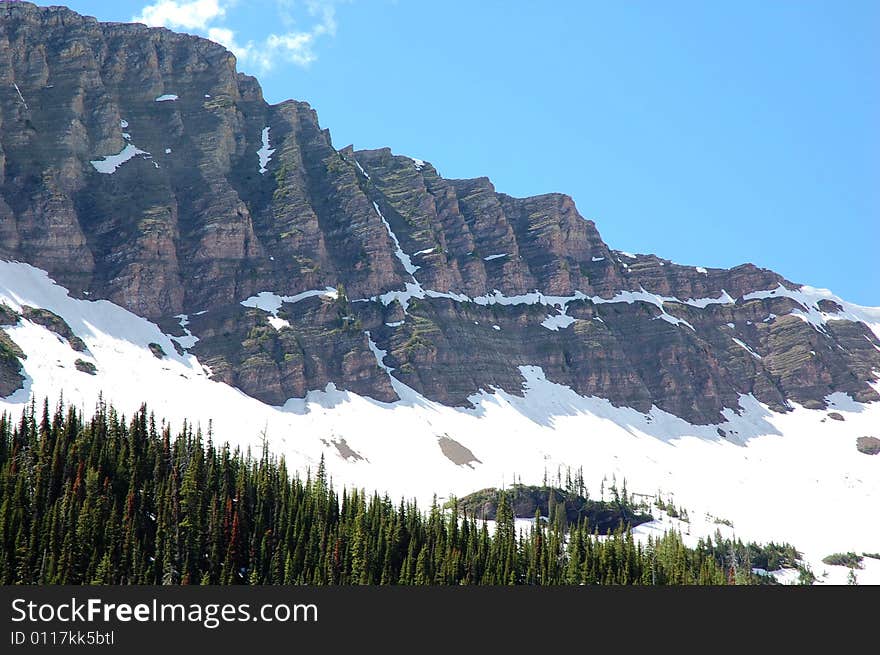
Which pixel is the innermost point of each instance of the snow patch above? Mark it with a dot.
(361, 168)
(117, 340)
(398, 251)
(189, 340)
(265, 152)
(641, 295)
(746, 346)
(674, 320)
(108, 164)
(809, 297)
(379, 353)
(271, 302)
(557, 322)
(20, 97)
(724, 299)
(168, 97)
(415, 290)
(278, 323)
(491, 257)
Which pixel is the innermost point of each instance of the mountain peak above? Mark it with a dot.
(138, 166)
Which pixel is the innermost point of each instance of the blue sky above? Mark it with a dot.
(710, 133)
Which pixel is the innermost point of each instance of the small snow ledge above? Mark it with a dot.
(560, 321)
(669, 318)
(108, 165)
(271, 302)
(188, 341)
(278, 323)
(168, 97)
(724, 299)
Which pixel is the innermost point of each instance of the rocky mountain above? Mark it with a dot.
(168, 236)
(137, 166)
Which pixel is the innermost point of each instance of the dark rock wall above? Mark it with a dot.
(195, 226)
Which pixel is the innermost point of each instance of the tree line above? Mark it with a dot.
(109, 500)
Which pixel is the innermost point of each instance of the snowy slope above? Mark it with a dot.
(793, 477)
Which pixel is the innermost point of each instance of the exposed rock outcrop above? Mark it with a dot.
(138, 166)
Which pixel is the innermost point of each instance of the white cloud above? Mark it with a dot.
(293, 46)
(326, 9)
(296, 46)
(225, 37)
(193, 15)
(323, 9)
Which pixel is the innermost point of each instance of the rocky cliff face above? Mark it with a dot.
(137, 166)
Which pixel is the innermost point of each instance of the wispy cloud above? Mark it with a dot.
(264, 53)
(194, 15)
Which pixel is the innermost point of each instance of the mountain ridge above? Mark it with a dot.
(138, 166)
(168, 237)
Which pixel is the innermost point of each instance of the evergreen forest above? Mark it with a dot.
(105, 499)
